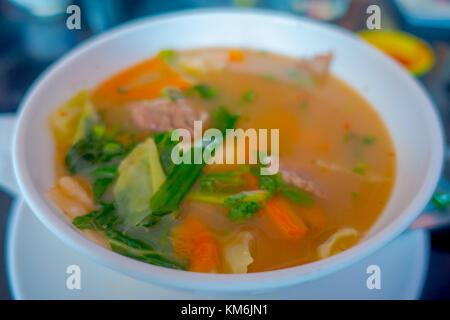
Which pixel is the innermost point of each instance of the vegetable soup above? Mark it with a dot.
(118, 183)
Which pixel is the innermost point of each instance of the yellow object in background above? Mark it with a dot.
(413, 53)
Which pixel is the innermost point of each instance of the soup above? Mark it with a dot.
(116, 178)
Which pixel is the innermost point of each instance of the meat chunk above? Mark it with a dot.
(317, 66)
(163, 114)
(294, 179)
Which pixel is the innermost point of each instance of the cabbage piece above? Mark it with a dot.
(73, 119)
(237, 253)
(88, 119)
(140, 175)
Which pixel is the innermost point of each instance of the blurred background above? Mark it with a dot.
(34, 34)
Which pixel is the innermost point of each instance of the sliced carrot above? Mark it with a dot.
(192, 240)
(285, 219)
(236, 56)
(145, 80)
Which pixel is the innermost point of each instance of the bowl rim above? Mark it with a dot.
(258, 281)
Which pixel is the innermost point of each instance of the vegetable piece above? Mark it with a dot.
(291, 226)
(236, 56)
(248, 96)
(245, 204)
(97, 156)
(208, 197)
(368, 140)
(339, 241)
(88, 119)
(204, 91)
(223, 181)
(168, 55)
(67, 204)
(143, 81)
(73, 188)
(102, 219)
(140, 175)
(145, 255)
(103, 178)
(182, 176)
(66, 119)
(94, 152)
(273, 183)
(165, 145)
(71, 197)
(360, 168)
(237, 253)
(192, 240)
(144, 248)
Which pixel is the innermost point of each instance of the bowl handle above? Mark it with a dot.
(7, 177)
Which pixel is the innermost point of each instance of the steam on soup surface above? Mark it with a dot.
(117, 182)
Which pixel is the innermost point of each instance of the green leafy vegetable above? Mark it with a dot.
(296, 195)
(208, 197)
(223, 181)
(102, 219)
(275, 183)
(96, 156)
(94, 152)
(245, 204)
(165, 145)
(145, 255)
(204, 90)
(106, 219)
(182, 176)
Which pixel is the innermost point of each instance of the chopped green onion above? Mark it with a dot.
(360, 168)
(167, 55)
(368, 140)
(249, 96)
(204, 90)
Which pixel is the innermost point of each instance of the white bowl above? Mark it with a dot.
(402, 103)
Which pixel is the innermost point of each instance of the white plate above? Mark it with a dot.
(37, 261)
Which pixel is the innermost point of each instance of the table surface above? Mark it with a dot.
(28, 44)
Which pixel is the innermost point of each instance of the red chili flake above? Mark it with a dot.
(63, 113)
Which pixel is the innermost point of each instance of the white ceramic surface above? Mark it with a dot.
(402, 103)
(37, 263)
